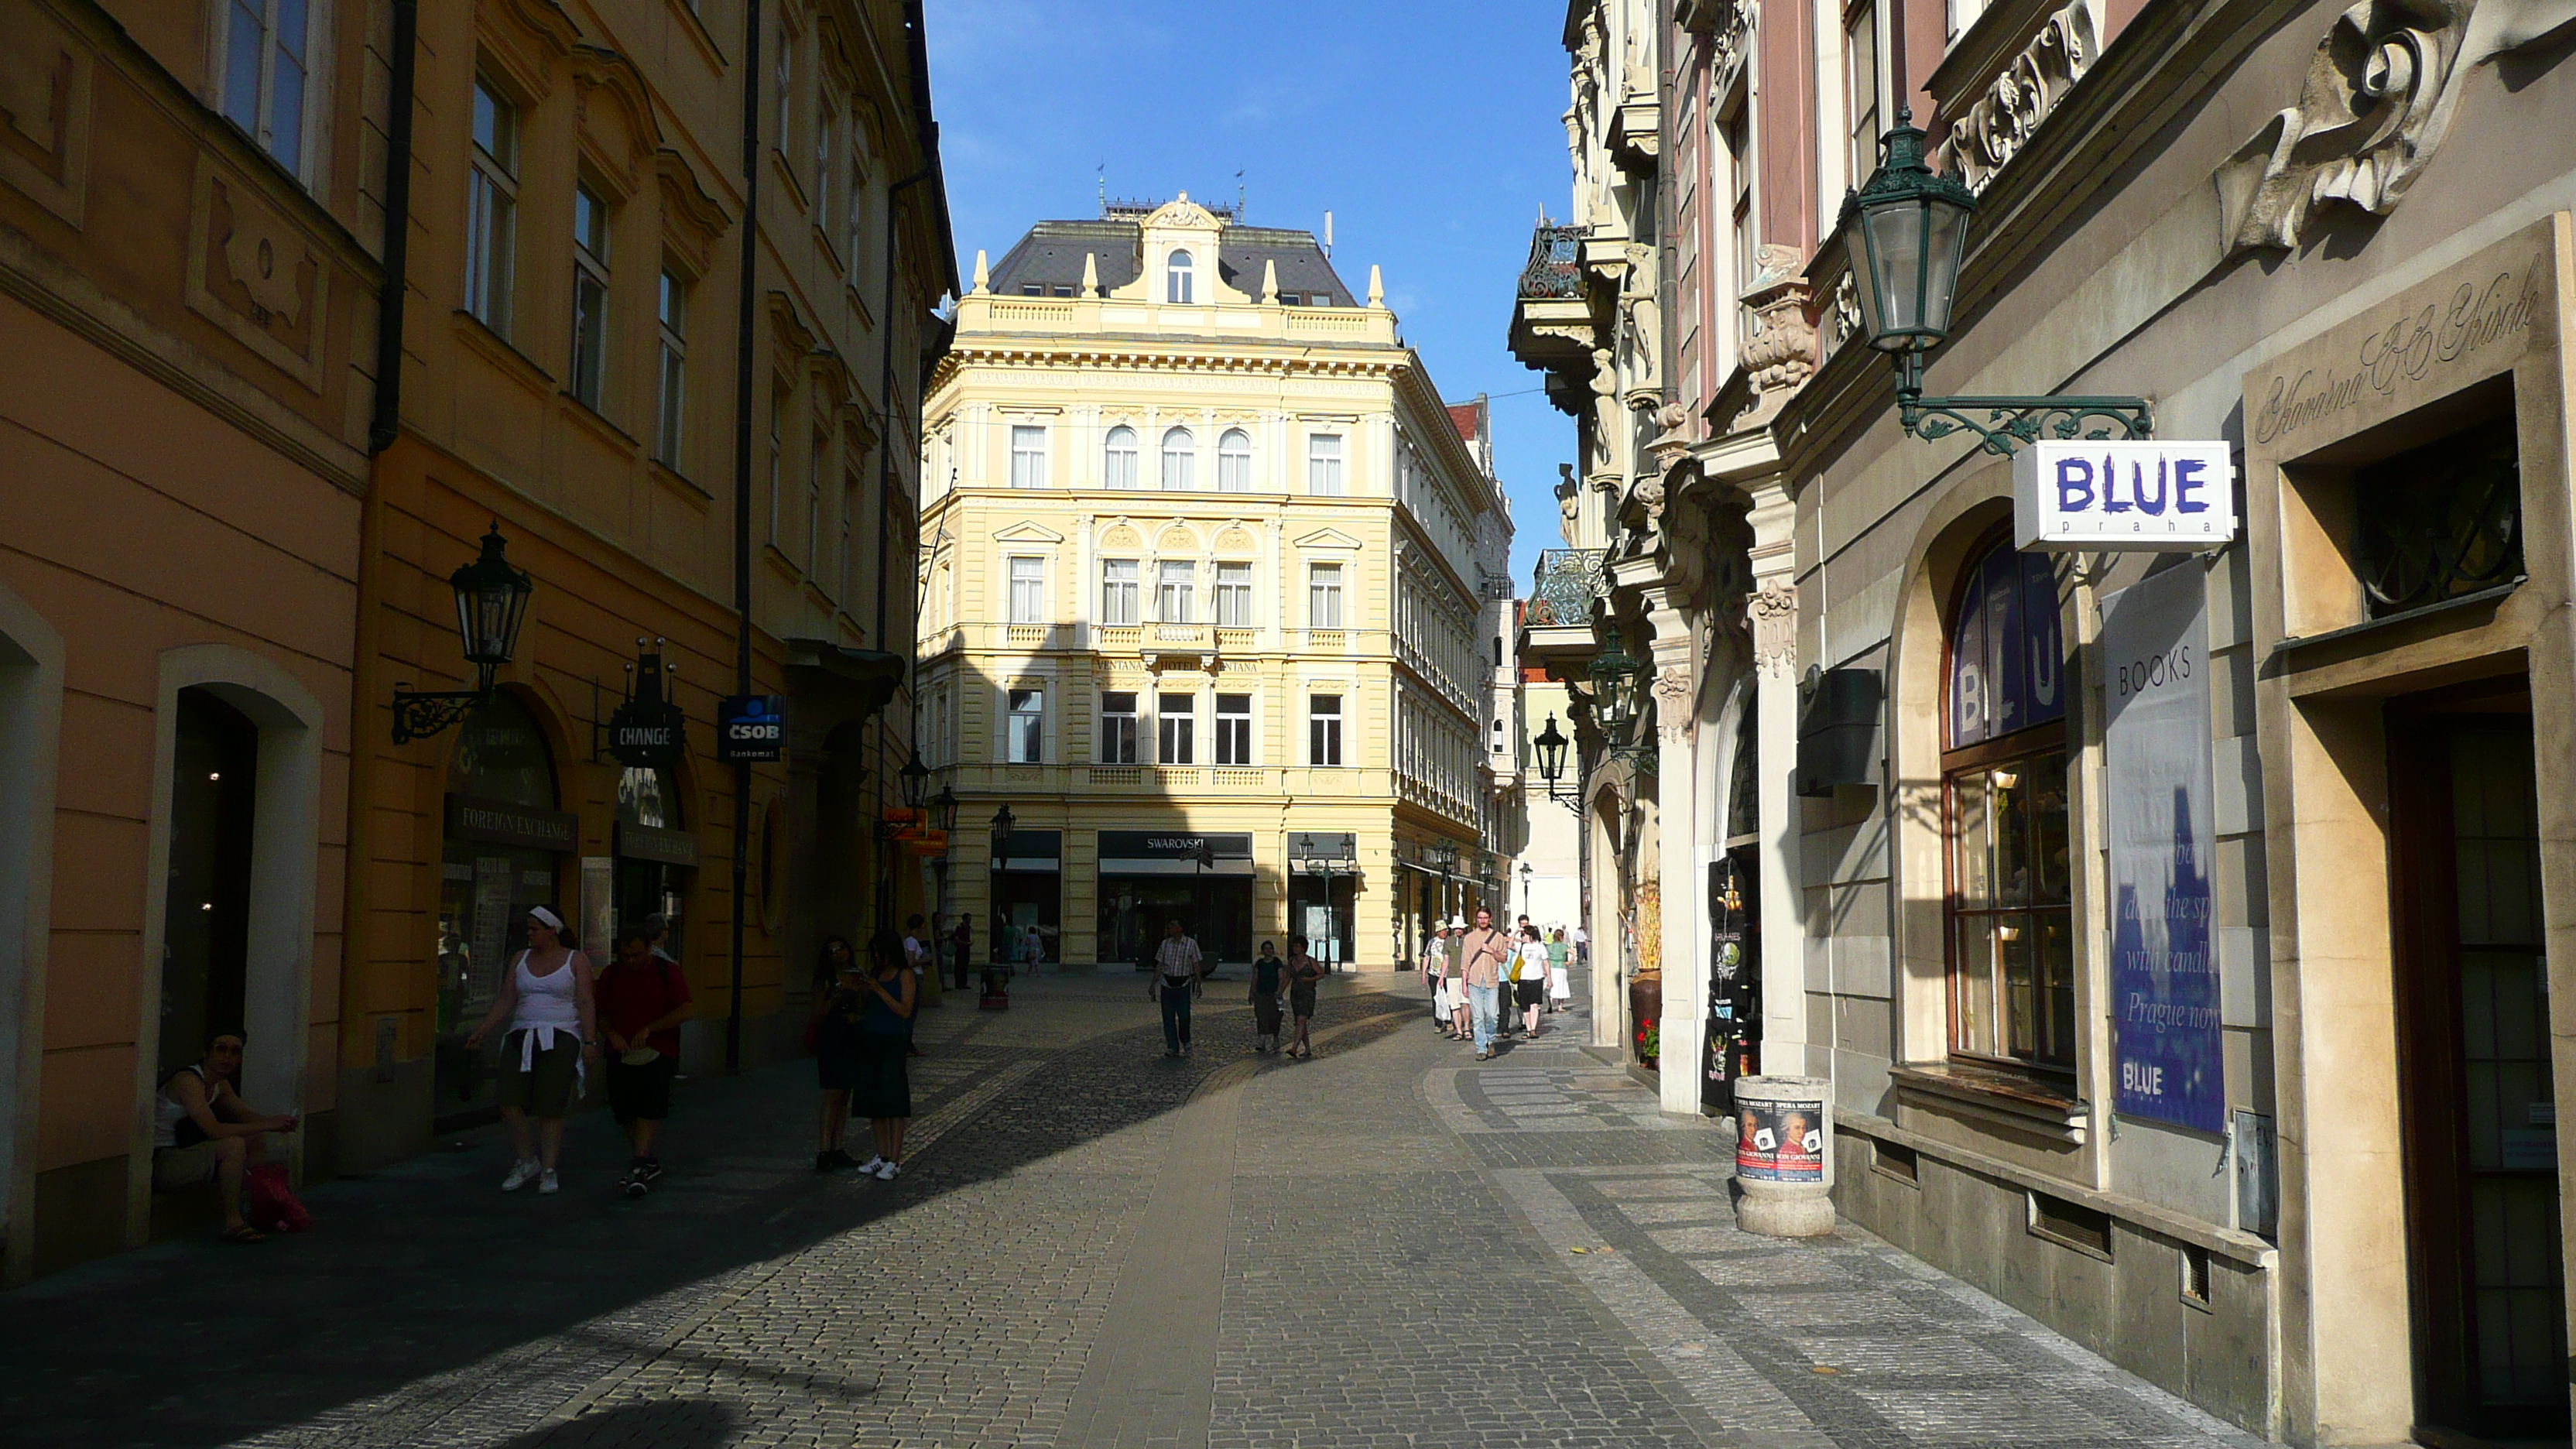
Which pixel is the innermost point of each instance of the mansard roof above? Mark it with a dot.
(1051, 257)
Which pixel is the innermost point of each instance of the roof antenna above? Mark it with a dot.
(1238, 195)
(1104, 186)
(1328, 235)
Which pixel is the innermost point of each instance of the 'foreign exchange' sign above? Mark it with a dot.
(2177, 497)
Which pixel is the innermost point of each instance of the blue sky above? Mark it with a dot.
(1429, 128)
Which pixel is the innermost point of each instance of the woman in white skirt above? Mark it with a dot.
(1558, 990)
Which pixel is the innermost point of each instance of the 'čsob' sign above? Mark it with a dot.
(2104, 495)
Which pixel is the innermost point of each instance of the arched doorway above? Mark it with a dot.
(505, 850)
(205, 937)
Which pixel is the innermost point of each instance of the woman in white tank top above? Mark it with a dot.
(546, 997)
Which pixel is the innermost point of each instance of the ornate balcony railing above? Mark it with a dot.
(1556, 263)
(1562, 591)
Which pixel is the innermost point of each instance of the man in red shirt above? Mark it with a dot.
(643, 998)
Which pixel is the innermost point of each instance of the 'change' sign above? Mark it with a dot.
(2124, 495)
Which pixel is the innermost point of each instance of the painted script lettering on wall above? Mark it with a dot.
(2092, 495)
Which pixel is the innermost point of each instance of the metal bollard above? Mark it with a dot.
(1784, 1141)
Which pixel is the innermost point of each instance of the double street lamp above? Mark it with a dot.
(1907, 228)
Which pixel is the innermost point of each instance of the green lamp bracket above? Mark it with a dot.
(2011, 421)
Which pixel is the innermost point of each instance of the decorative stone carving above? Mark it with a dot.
(2379, 95)
(1644, 332)
(1997, 124)
(1609, 415)
(1846, 311)
(1781, 354)
(1773, 613)
(264, 254)
(1649, 494)
(1673, 701)
(1728, 24)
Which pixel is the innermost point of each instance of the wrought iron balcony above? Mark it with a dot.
(1562, 590)
(1555, 267)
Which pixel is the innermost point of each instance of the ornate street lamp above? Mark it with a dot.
(943, 809)
(997, 992)
(1907, 228)
(1614, 688)
(1527, 870)
(916, 780)
(491, 604)
(1551, 743)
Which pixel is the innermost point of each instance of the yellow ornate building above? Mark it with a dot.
(1204, 555)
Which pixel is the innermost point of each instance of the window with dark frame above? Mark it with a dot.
(1118, 727)
(1176, 718)
(2004, 818)
(1324, 729)
(1234, 729)
(671, 392)
(492, 209)
(589, 294)
(1026, 731)
(2440, 521)
(267, 72)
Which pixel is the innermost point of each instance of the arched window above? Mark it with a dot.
(1176, 276)
(1234, 462)
(1180, 451)
(2003, 775)
(1118, 459)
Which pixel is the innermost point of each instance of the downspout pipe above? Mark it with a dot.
(746, 337)
(390, 297)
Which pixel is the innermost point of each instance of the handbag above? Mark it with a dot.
(272, 1207)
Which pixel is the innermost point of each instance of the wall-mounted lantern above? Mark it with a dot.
(491, 604)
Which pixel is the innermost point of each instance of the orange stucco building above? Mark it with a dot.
(224, 547)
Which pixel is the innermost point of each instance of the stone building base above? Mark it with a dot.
(2187, 1306)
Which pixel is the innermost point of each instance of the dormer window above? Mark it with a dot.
(1176, 276)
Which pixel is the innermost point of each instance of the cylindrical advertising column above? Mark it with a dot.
(1784, 1141)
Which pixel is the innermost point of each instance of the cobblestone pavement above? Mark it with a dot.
(1095, 1246)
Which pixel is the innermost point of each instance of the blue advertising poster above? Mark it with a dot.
(2155, 752)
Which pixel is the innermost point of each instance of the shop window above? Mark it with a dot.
(502, 855)
(2011, 946)
(2440, 521)
(649, 874)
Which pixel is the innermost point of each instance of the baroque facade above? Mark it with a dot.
(1210, 576)
(2305, 1170)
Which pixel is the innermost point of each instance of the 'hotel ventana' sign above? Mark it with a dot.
(2176, 497)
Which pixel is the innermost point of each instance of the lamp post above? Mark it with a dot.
(997, 997)
(1527, 870)
(943, 818)
(1907, 228)
(491, 604)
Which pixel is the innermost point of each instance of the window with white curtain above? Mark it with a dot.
(1176, 271)
(1177, 720)
(1028, 457)
(1118, 459)
(1118, 591)
(1028, 590)
(1180, 455)
(1172, 594)
(1234, 596)
(1324, 729)
(1324, 464)
(1118, 727)
(1025, 733)
(1324, 596)
(267, 72)
(1234, 462)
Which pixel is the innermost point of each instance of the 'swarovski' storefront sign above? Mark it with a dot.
(2124, 495)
